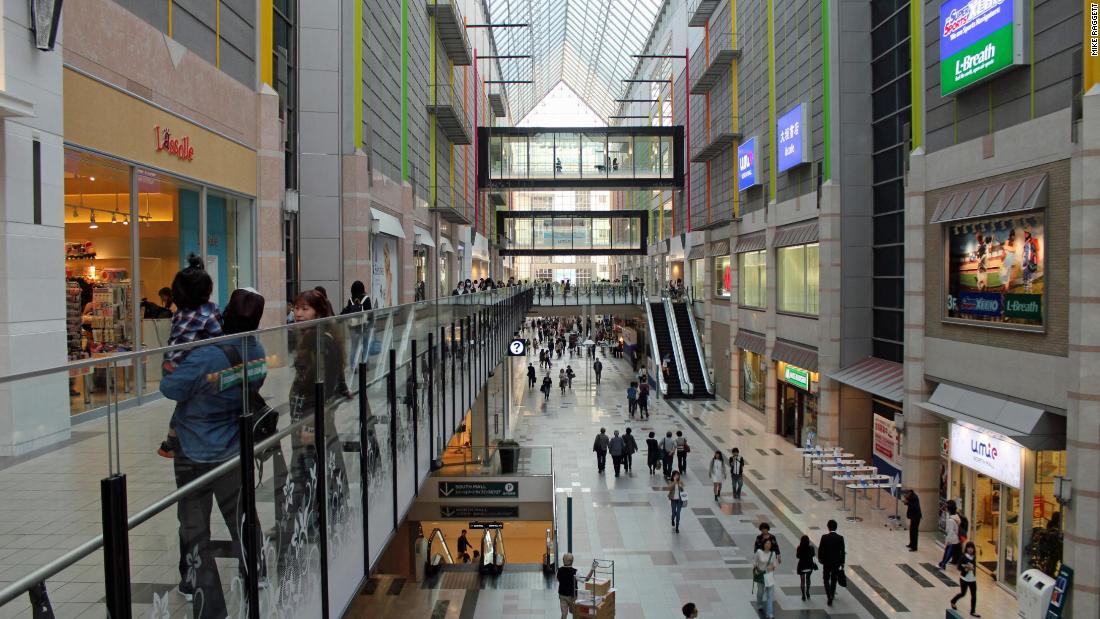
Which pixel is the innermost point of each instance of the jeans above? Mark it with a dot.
(617, 461)
(626, 462)
(681, 461)
(763, 592)
(829, 575)
(601, 459)
(631, 405)
(736, 482)
(667, 462)
(196, 565)
(677, 505)
(963, 587)
(598, 374)
(948, 554)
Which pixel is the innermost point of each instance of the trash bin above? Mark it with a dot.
(1033, 594)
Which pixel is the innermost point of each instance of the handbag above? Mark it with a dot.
(841, 579)
(687, 448)
(683, 496)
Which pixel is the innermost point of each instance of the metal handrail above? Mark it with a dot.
(437, 533)
(698, 348)
(677, 348)
(661, 384)
(356, 318)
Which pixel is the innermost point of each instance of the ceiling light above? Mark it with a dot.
(93, 225)
(114, 217)
(76, 214)
(126, 221)
(91, 178)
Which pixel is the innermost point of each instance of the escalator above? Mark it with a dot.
(439, 554)
(693, 354)
(662, 341)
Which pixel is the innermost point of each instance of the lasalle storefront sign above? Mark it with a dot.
(978, 38)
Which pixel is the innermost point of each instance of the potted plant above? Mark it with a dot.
(509, 455)
(1045, 550)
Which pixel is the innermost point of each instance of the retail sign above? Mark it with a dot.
(793, 131)
(179, 148)
(886, 450)
(987, 453)
(797, 376)
(978, 38)
(1059, 598)
(748, 158)
(466, 512)
(478, 489)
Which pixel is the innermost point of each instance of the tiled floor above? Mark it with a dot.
(657, 570)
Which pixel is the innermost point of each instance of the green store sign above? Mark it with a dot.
(797, 376)
(1025, 306)
(978, 38)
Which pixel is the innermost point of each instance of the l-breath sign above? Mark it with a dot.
(978, 38)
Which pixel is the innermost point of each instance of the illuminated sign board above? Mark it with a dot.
(748, 158)
(978, 38)
(793, 133)
(987, 454)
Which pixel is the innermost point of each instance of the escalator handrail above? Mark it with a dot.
(436, 532)
(498, 547)
(699, 349)
(677, 348)
(661, 385)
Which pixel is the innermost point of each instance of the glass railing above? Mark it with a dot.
(298, 450)
(485, 461)
(600, 293)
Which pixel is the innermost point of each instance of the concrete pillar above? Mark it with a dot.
(921, 432)
(770, 293)
(35, 413)
(735, 317)
(356, 222)
(1082, 523)
(270, 195)
(830, 318)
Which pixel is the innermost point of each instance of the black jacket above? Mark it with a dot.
(831, 549)
(912, 507)
(631, 444)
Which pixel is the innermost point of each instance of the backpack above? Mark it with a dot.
(964, 526)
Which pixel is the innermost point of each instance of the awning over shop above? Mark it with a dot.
(696, 252)
(423, 236)
(801, 234)
(387, 224)
(750, 341)
(445, 246)
(750, 242)
(875, 376)
(1031, 426)
(720, 248)
(798, 356)
(1020, 194)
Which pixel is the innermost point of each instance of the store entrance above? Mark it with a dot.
(993, 510)
(790, 405)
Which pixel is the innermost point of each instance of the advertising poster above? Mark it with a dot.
(384, 268)
(886, 447)
(978, 38)
(748, 156)
(995, 270)
(793, 134)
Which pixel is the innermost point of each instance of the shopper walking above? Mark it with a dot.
(569, 376)
(677, 496)
(764, 562)
(668, 452)
(737, 472)
(567, 586)
(597, 367)
(653, 453)
(600, 446)
(967, 579)
(913, 514)
(806, 566)
(682, 451)
(766, 535)
(690, 611)
(547, 385)
(717, 473)
(616, 446)
(951, 540)
(643, 403)
(632, 398)
(830, 551)
(530, 376)
(630, 448)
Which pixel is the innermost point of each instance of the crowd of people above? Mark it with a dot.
(470, 286)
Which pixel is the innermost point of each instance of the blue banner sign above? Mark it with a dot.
(976, 304)
(793, 143)
(748, 157)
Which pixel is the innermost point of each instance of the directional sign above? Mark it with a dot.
(486, 525)
(478, 489)
(518, 348)
(466, 512)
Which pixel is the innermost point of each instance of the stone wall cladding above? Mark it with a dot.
(1055, 341)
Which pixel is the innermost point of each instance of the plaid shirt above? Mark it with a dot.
(190, 326)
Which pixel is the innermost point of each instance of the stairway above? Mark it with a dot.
(692, 361)
(664, 348)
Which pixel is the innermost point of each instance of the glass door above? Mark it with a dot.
(1010, 537)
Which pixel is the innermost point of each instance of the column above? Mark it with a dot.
(771, 274)
(270, 196)
(829, 318)
(735, 318)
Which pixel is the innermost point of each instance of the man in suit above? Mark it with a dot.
(831, 554)
(913, 513)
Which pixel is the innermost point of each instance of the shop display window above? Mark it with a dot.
(798, 278)
(754, 371)
(698, 279)
(229, 242)
(753, 278)
(723, 287)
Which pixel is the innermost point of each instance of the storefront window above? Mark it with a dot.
(722, 283)
(754, 370)
(98, 272)
(753, 277)
(229, 242)
(1048, 465)
(798, 279)
(797, 404)
(698, 277)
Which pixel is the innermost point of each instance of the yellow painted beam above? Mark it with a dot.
(267, 42)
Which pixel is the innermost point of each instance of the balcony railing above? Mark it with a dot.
(451, 29)
(711, 61)
(700, 11)
(724, 133)
(445, 103)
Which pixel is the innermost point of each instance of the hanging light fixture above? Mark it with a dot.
(76, 214)
(93, 225)
(126, 221)
(114, 215)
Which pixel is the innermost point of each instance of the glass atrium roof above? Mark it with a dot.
(587, 44)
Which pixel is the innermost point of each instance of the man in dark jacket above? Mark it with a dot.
(831, 554)
(631, 446)
(765, 535)
(913, 513)
(600, 446)
(597, 367)
(617, 447)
